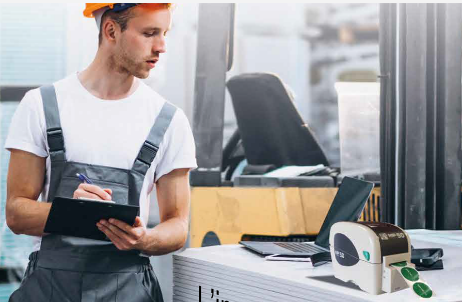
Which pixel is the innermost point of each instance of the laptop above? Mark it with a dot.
(348, 205)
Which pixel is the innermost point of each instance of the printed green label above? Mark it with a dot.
(422, 289)
(410, 274)
(400, 264)
(412, 278)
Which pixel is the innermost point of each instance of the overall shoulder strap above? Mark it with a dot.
(54, 132)
(156, 135)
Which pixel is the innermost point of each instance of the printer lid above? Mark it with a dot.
(392, 239)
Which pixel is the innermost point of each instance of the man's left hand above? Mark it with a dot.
(124, 236)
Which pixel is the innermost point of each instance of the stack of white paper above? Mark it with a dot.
(293, 171)
(231, 273)
(234, 274)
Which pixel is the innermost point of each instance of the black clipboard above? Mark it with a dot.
(78, 217)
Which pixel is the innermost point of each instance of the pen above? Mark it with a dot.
(84, 178)
(87, 180)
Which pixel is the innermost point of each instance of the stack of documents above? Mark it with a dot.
(232, 273)
(293, 171)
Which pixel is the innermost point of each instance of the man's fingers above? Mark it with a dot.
(82, 193)
(109, 232)
(121, 225)
(118, 242)
(126, 227)
(138, 222)
(133, 233)
(129, 236)
(117, 231)
(95, 190)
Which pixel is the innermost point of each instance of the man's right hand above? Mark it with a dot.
(94, 192)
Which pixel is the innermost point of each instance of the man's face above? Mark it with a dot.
(140, 45)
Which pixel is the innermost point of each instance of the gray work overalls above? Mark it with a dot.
(62, 271)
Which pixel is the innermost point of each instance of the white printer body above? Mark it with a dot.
(363, 251)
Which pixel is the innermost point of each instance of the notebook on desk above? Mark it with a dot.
(348, 205)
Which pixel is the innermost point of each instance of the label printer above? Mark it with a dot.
(362, 253)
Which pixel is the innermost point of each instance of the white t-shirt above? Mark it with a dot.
(103, 132)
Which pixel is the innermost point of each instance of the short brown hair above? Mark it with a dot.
(122, 17)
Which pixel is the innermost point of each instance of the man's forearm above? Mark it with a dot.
(166, 237)
(27, 216)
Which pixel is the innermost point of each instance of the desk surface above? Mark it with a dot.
(244, 276)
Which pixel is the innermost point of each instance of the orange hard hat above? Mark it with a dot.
(91, 7)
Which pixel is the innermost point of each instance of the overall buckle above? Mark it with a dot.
(147, 153)
(55, 139)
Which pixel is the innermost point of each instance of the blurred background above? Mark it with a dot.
(310, 46)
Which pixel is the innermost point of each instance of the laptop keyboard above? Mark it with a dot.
(299, 247)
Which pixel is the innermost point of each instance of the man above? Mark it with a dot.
(108, 124)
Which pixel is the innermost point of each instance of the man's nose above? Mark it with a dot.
(159, 45)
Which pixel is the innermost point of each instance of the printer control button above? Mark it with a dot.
(367, 255)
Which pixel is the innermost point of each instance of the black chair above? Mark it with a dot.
(269, 125)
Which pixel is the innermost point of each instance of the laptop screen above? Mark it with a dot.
(347, 206)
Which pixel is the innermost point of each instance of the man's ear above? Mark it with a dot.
(109, 30)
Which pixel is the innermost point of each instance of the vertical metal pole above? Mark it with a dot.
(213, 61)
(429, 111)
(387, 41)
(415, 117)
(401, 113)
(448, 142)
(430, 205)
